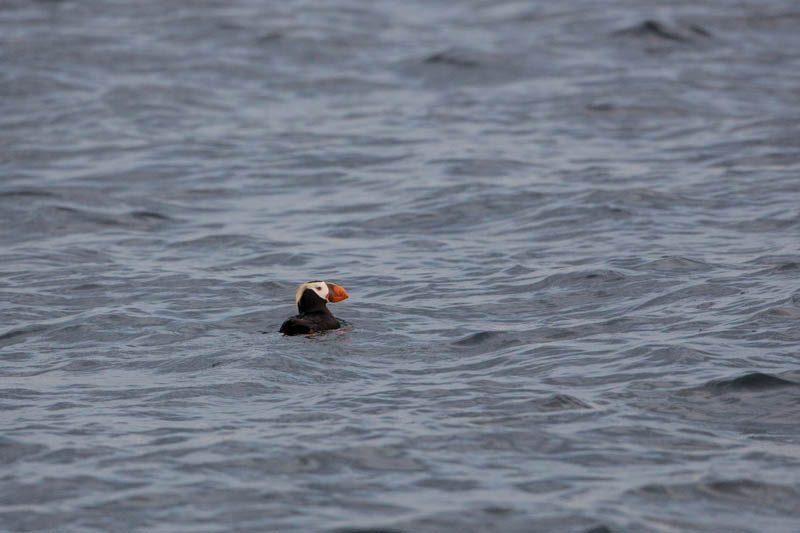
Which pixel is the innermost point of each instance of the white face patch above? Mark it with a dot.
(320, 287)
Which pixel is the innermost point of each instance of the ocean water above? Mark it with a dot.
(570, 232)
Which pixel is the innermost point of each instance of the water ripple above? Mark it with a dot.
(568, 232)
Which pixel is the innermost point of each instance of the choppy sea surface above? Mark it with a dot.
(570, 232)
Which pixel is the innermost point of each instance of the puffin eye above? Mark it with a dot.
(319, 288)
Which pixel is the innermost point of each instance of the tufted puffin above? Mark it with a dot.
(314, 316)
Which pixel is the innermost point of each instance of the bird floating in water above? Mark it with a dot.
(311, 299)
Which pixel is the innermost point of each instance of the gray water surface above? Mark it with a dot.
(569, 231)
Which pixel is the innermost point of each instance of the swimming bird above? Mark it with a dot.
(311, 299)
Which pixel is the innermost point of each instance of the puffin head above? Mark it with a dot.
(313, 296)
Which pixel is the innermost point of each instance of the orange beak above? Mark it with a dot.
(336, 293)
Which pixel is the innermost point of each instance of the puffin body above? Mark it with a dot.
(311, 299)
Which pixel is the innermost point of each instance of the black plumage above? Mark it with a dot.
(314, 315)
